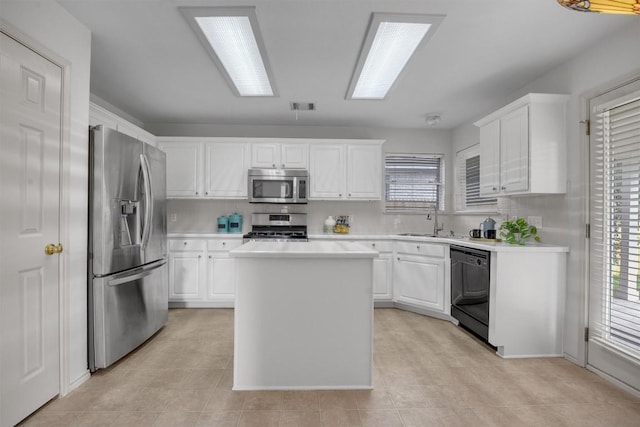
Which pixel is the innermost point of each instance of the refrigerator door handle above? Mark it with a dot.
(135, 274)
(129, 279)
(148, 202)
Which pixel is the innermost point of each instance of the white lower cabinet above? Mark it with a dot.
(187, 275)
(201, 272)
(221, 271)
(382, 271)
(420, 275)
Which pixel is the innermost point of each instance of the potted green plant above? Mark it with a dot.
(517, 231)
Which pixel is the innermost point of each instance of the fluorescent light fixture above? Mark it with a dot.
(231, 35)
(389, 44)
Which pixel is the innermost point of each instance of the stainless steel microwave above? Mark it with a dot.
(287, 186)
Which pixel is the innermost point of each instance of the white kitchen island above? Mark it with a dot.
(303, 316)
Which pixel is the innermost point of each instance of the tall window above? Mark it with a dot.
(615, 223)
(414, 182)
(467, 196)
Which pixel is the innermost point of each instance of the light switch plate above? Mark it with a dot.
(536, 221)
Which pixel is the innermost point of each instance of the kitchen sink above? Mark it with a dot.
(417, 234)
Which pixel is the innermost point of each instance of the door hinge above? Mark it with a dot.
(587, 127)
(586, 334)
(588, 231)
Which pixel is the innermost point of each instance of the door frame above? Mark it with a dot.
(64, 202)
(585, 141)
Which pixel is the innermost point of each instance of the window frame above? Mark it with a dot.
(441, 189)
(460, 200)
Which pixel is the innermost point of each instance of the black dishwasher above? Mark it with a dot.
(470, 288)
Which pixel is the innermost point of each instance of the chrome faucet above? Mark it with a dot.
(436, 227)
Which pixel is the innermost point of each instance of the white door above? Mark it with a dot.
(364, 172)
(490, 159)
(226, 169)
(184, 168)
(514, 151)
(614, 247)
(326, 171)
(30, 139)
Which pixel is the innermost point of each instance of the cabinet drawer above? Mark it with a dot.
(223, 244)
(380, 246)
(421, 248)
(176, 245)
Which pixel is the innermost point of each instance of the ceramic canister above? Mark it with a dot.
(235, 223)
(223, 224)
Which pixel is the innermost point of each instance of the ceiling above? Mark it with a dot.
(147, 61)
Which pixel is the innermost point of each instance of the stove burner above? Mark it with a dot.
(276, 235)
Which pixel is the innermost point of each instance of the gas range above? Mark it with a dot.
(282, 227)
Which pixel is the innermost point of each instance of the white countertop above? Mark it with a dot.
(266, 249)
(343, 238)
(461, 241)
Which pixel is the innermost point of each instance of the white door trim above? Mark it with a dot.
(65, 382)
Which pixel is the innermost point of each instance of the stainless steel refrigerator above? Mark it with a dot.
(128, 279)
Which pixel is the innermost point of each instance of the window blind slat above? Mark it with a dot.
(413, 183)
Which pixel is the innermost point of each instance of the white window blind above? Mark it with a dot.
(468, 182)
(615, 224)
(413, 182)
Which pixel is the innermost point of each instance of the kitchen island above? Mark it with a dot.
(303, 316)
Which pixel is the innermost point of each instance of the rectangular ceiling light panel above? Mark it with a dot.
(388, 46)
(232, 37)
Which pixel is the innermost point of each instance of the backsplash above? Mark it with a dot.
(200, 216)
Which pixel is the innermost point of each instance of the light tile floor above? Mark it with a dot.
(427, 372)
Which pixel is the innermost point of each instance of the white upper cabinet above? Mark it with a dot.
(327, 171)
(364, 171)
(276, 155)
(184, 168)
(522, 147)
(351, 171)
(216, 168)
(226, 170)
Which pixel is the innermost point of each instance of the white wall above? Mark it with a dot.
(610, 62)
(368, 217)
(48, 28)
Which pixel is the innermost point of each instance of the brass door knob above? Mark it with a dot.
(51, 249)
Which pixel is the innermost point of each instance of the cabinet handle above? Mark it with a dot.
(185, 243)
(398, 258)
(349, 194)
(373, 244)
(504, 188)
(224, 243)
(495, 189)
(210, 257)
(283, 166)
(199, 256)
(197, 193)
(417, 246)
(206, 193)
(340, 195)
(273, 165)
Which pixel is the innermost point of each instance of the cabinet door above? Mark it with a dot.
(327, 171)
(226, 166)
(184, 168)
(490, 159)
(294, 156)
(382, 276)
(514, 151)
(420, 281)
(186, 276)
(265, 156)
(222, 278)
(364, 172)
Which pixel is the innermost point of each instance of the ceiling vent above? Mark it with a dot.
(303, 106)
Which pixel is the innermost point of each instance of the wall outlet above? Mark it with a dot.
(173, 217)
(536, 221)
